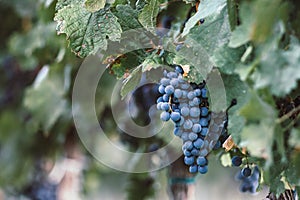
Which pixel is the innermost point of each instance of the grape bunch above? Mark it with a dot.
(186, 104)
(42, 190)
(250, 180)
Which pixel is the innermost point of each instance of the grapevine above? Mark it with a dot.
(166, 98)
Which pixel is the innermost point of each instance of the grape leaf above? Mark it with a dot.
(227, 59)
(232, 13)
(24, 46)
(94, 5)
(235, 89)
(87, 32)
(63, 3)
(256, 138)
(147, 16)
(204, 41)
(205, 9)
(254, 29)
(127, 17)
(256, 109)
(279, 65)
(45, 98)
(211, 35)
(131, 81)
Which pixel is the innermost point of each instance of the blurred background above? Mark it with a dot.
(41, 155)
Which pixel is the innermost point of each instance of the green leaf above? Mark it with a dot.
(24, 46)
(232, 6)
(63, 3)
(45, 98)
(256, 109)
(94, 5)
(127, 17)
(254, 29)
(292, 173)
(227, 59)
(241, 34)
(257, 139)
(205, 9)
(131, 81)
(202, 43)
(279, 65)
(211, 35)
(148, 15)
(87, 32)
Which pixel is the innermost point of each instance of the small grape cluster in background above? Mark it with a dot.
(249, 178)
(186, 104)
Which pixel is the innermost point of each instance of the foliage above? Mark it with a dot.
(253, 45)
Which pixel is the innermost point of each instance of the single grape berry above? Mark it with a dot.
(246, 172)
(236, 161)
(165, 116)
(175, 116)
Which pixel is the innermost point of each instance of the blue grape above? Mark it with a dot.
(179, 69)
(187, 152)
(203, 152)
(172, 75)
(165, 116)
(169, 89)
(236, 161)
(159, 99)
(161, 89)
(189, 160)
(203, 122)
(165, 81)
(177, 132)
(158, 106)
(201, 161)
(165, 106)
(193, 136)
(195, 112)
(191, 95)
(203, 169)
(204, 131)
(187, 145)
(193, 169)
(198, 143)
(204, 93)
(178, 93)
(185, 111)
(185, 136)
(250, 183)
(196, 101)
(196, 128)
(175, 116)
(246, 172)
(165, 97)
(184, 94)
(174, 82)
(195, 152)
(188, 124)
(204, 111)
(184, 86)
(197, 92)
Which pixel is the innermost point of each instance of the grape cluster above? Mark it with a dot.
(250, 180)
(186, 104)
(42, 190)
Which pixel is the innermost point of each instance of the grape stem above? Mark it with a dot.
(287, 115)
